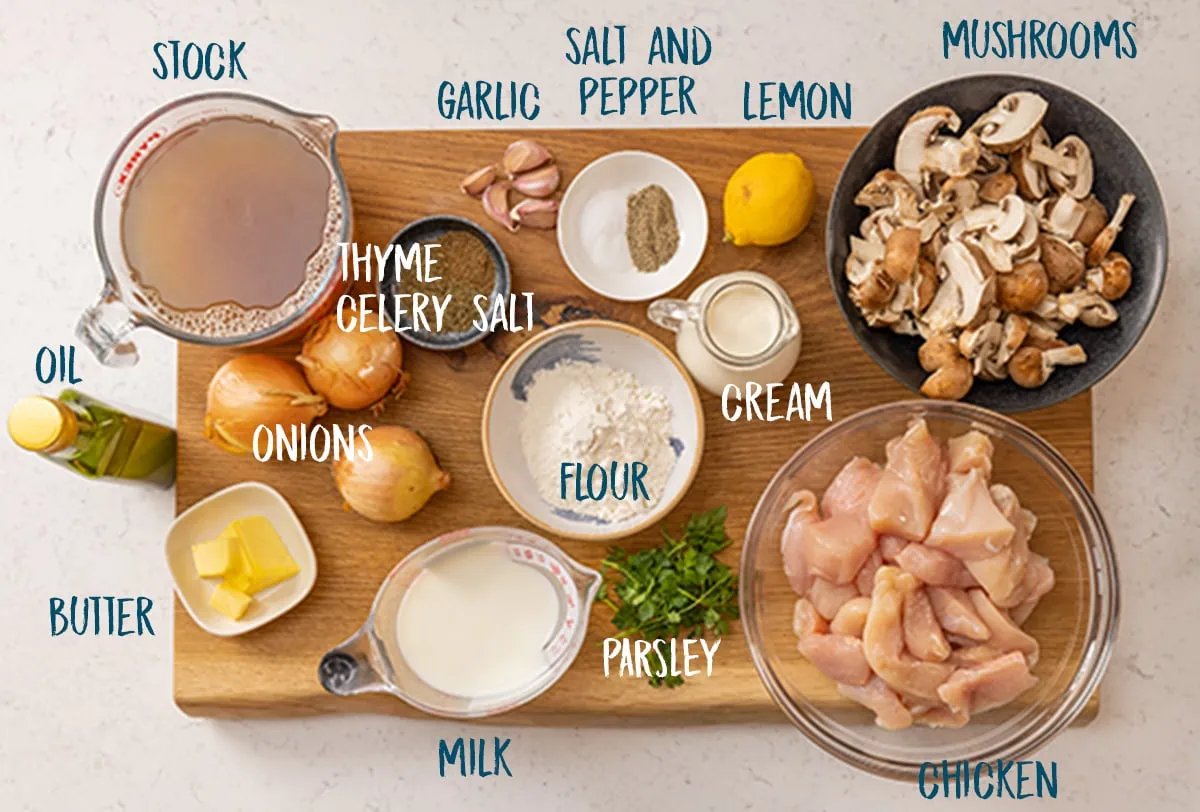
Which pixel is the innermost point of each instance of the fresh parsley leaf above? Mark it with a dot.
(678, 589)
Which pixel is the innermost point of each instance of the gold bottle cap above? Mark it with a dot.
(42, 424)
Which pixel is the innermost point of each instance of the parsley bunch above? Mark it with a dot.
(676, 589)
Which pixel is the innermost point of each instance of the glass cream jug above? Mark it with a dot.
(735, 328)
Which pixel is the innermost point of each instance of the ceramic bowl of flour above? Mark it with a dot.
(592, 430)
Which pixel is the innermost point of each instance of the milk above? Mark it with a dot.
(474, 622)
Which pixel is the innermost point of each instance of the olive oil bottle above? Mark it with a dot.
(93, 438)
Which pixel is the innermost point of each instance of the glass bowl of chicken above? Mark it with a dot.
(928, 581)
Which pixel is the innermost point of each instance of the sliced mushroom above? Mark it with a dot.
(1012, 217)
(956, 196)
(879, 225)
(918, 133)
(1064, 217)
(1076, 156)
(1020, 290)
(1112, 277)
(1042, 335)
(875, 291)
(901, 252)
(1048, 311)
(999, 254)
(997, 187)
(1064, 265)
(1104, 241)
(943, 311)
(1041, 152)
(1095, 216)
(1031, 367)
(956, 157)
(1012, 122)
(1025, 246)
(1087, 306)
(974, 279)
(889, 189)
(1030, 175)
(1016, 329)
(979, 345)
(925, 285)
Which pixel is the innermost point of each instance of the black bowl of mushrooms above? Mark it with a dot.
(997, 239)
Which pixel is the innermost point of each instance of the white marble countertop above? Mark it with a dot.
(88, 723)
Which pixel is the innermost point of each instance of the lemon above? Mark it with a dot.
(768, 200)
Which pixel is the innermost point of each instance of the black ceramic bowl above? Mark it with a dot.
(426, 230)
(1119, 168)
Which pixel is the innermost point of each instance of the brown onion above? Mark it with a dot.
(353, 370)
(396, 481)
(256, 390)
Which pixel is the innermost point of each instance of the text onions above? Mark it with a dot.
(396, 481)
(352, 369)
(255, 390)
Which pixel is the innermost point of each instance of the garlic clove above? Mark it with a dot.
(524, 155)
(474, 183)
(536, 213)
(495, 203)
(541, 182)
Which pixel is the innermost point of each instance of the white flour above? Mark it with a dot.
(592, 413)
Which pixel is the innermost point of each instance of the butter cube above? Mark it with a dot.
(214, 558)
(239, 576)
(230, 602)
(265, 553)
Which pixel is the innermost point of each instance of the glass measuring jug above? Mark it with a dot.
(128, 301)
(372, 661)
(734, 328)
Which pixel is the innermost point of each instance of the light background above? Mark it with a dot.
(88, 723)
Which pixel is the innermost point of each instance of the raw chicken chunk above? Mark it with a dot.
(935, 567)
(890, 547)
(971, 656)
(956, 614)
(912, 485)
(850, 491)
(1003, 574)
(828, 598)
(883, 639)
(969, 526)
(1006, 635)
(941, 716)
(1039, 579)
(792, 543)
(876, 696)
(995, 683)
(837, 656)
(865, 580)
(837, 547)
(922, 633)
(851, 618)
(969, 451)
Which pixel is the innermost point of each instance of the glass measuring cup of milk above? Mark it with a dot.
(734, 328)
(217, 221)
(373, 659)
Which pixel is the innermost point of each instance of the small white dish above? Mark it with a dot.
(592, 341)
(204, 521)
(591, 225)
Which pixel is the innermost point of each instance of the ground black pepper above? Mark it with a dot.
(650, 228)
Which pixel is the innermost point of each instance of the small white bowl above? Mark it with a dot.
(591, 225)
(592, 341)
(204, 521)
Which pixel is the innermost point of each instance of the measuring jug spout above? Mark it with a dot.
(104, 327)
(323, 129)
(348, 669)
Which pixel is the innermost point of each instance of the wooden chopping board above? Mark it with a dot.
(397, 177)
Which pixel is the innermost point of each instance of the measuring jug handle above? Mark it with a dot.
(347, 669)
(671, 314)
(103, 329)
